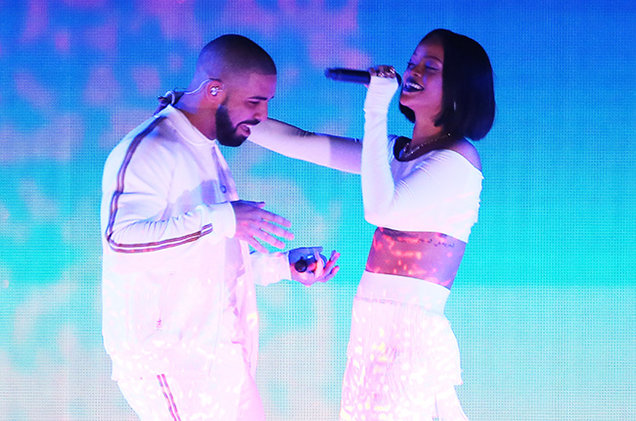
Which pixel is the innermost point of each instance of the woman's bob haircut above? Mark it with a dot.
(468, 97)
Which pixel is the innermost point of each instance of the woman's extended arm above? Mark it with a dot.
(340, 153)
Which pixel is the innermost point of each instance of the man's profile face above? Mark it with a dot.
(245, 106)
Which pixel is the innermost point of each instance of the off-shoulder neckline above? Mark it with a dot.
(434, 151)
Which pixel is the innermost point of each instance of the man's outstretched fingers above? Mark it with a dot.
(254, 224)
(270, 239)
(272, 217)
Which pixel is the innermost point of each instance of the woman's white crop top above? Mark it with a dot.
(437, 192)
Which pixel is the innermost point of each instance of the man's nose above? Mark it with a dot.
(261, 111)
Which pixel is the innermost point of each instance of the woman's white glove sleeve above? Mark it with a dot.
(377, 182)
(379, 94)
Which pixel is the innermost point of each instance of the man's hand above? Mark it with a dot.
(254, 224)
(308, 266)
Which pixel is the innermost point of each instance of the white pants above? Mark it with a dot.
(226, 392)
(402, 358)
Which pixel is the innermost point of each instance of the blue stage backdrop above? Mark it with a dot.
(544, 304)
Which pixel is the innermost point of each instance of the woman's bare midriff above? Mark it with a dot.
(429, 256)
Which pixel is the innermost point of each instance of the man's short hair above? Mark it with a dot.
(231, 55)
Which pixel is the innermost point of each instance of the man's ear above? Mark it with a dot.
(214, 91)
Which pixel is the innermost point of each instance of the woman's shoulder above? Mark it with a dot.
(468, 151)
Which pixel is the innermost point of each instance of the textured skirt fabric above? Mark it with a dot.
(402, 358)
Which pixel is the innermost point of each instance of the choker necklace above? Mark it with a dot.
(406, 153)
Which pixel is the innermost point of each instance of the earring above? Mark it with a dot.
(214, 90)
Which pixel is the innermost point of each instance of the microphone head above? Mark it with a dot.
(350, 75)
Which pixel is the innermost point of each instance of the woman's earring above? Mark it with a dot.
(214, 90)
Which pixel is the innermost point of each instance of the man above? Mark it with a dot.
(179, 312)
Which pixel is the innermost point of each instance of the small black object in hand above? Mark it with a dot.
(305, 262)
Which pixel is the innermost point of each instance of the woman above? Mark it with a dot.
(423, 195)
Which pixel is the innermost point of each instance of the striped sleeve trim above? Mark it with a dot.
(119, 190)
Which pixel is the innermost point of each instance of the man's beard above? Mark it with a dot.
(225, 132)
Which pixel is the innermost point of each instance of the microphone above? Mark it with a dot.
(351, 75)
(304, 263)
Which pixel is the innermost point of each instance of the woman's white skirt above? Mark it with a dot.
(402, 358)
